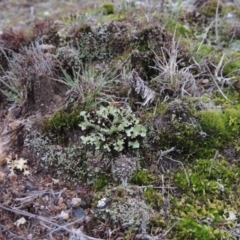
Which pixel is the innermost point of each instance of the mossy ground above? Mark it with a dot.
(184, 174)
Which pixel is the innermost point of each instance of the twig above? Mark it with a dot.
(219, 66)
(185, 171)
(166, 233)
(27, 214)
(216, 21)
(219, 89)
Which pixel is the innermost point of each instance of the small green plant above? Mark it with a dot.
(107, 8)
(153, 197)
(142, 177)
(100, 182)
(191, 229)
(86, 85)
(112, 129)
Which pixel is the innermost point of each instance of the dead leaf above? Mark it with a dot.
(76, 202)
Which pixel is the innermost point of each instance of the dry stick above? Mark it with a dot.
(57, 229)
(219, 89)
(31, 197)
(185, 171)
(17, 211)
(205, 34)
(216, 21)
(219, 66)
(166, 233)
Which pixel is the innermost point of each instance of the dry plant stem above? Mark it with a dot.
(205, 35)
(219, 66)
(216, 21)
(185, 171)
(33, 195)
(167, 232)
(219, 89)
(234, 232)
(59, 227)
(215, 157)
(162, 237)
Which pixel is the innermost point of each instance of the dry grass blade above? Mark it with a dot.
(139, 86)
(24, 66)
(173, 80)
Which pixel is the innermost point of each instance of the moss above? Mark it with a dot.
(209, 8)
(120, 192)
(233, 66)
(203, 51)
(184, 137)
(158, 221)
(153, 197)
(206, 177)
(142, 177)
(195, 134)
(221, 126)
(100, 182)
(178, 28)
(107, 8)
(115, 17)
(189, 228)
(62, 121)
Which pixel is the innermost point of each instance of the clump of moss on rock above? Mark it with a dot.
(61, 122)
(208, 8)
(221, 126)
(107, 8)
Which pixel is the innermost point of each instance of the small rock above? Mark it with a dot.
(76, 202)
(78, 212)
(57, 98)
(30, 236)
(12, 177)
(64, 215)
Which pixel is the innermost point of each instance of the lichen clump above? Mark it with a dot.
(112, 129)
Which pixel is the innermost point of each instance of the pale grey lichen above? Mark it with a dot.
(127, 207)
(68, 163)
(123, 168)
(112, 129)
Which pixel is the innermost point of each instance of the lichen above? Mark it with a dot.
(126, 208)
(111, 129)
